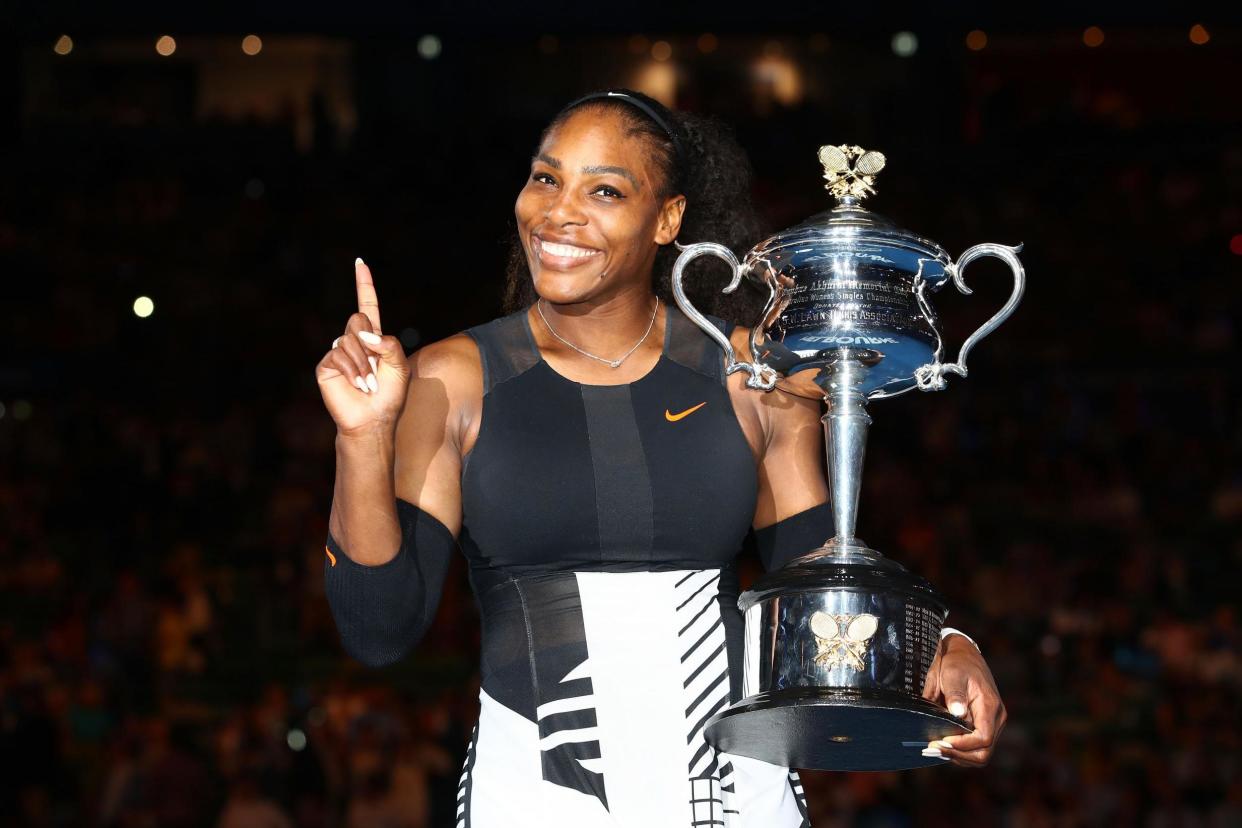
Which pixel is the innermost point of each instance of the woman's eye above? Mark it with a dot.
(609, 191)
(542, 178)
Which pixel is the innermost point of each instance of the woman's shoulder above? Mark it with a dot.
(453, 361)
(460, 360)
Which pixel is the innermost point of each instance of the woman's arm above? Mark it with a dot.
(791, 470)
(792, 516)
(438, 427)
(396, 507)
(786, 437)
(417, 459)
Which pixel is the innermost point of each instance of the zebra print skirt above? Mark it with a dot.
(596, 688)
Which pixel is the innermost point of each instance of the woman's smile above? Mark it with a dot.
(560, 255)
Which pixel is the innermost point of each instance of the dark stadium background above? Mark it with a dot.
(166, 654)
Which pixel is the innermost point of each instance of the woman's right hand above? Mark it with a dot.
(363, 377)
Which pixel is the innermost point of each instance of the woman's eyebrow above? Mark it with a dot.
(555, 164)
(621, 171)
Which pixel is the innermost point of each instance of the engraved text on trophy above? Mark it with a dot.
(841, 308)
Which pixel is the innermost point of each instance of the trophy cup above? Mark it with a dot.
(839, 641)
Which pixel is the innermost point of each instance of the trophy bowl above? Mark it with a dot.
(838, 642)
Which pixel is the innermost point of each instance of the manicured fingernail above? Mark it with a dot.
(938, 744)
(932, 752)
(362, 386)
(372, 382)
(957, 709)
(358, 261)
(369, 338)
(374, 364)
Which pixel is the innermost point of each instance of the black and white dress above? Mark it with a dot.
(601, 525)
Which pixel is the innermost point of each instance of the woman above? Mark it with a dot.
(600, 473)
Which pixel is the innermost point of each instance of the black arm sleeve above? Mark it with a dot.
(382, 611)
(794, 536)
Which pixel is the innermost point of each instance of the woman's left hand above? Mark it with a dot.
(959, 679)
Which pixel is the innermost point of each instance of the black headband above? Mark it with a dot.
(642, 105)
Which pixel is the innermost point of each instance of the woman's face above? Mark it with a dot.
(590, 216)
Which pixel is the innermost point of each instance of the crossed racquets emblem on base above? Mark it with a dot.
(843, 638)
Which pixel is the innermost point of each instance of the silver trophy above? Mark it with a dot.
(839, 641)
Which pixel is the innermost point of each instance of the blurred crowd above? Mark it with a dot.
(166, 654)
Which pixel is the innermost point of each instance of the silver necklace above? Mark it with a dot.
(611, 363)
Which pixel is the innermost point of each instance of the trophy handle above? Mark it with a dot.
(761, 376)
(930, 377)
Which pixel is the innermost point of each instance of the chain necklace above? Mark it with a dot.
(611, 363)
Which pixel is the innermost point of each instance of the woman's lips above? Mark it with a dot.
(557, 256)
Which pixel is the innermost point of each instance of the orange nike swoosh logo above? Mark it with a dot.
(672, 418)
(331, 557)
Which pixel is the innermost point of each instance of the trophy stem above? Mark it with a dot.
(845, 435)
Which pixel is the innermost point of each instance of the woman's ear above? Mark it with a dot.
(668, 223)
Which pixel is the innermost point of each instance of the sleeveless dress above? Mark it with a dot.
(601, 525)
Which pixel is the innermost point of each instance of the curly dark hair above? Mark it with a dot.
(713, 173)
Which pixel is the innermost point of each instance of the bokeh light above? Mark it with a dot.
(1093, 36)
(165, 45)
(708, 43)
(1235, 245)
(22, 410)
(780, 78)
(657, 79)
(905, 44)
(429, 47)
(661, 50)
(977, 40)
(64, 45)
(1199, 35)
(143, 307)
(252, 44)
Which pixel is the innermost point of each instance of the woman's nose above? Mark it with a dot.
(565, 208)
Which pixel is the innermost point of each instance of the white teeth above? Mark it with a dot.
(566, 250)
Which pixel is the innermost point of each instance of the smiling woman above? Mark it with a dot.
(598, 469)
(686, 163)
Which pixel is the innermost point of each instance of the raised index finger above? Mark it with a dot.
(368, 302)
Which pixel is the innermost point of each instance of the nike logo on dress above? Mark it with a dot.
(331, 557)
(672, 418)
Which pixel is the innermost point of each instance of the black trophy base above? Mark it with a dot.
(818, 728)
